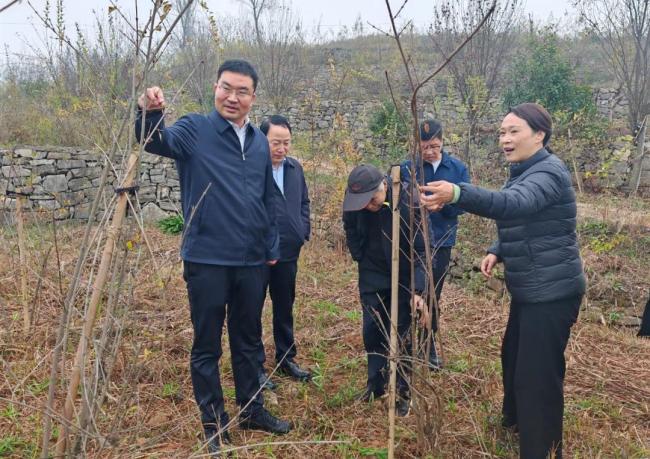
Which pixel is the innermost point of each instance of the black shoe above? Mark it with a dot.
(402, 406)
(291, 368)
(215, 440)
(263, 420)
(509, 424)
(435, 364)
(368, 395)
(265, 381)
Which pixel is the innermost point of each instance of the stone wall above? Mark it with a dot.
(64, 180)
(56, 179)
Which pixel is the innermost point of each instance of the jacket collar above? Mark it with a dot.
(221, 123)
(288, 162)
(519, 168)
(445, 160)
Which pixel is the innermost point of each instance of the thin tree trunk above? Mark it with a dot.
(574, 164)
(22, 253)
(637, 170)
(394, 287)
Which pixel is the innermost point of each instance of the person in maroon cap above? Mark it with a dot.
(367, 220)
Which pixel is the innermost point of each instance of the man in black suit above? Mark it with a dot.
(292, 206)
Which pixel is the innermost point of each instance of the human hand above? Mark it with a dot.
(441, 193)
(488, 263)
(152, 99)
(271, 262)
(422, 309)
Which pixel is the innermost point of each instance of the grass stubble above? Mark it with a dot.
(149, 410)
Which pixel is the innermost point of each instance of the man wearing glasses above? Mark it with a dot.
(437, 164)
(230, 234)
(294, 227)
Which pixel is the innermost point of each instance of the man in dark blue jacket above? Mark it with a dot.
(367, 220)
(293, 223)
(436, 164)
(227, 193)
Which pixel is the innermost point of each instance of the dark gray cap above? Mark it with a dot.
(363, 183)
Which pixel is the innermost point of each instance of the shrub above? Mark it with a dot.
(172, 225)
(542, 74)
(387, 124)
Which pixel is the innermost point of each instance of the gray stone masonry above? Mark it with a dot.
(64, 180)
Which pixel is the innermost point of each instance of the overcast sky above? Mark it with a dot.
(17, 23)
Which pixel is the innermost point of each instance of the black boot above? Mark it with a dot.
(266, 382)
(435, 364)
(291, 368)
(216, 437)
(402, 406)
(368, 395)
(263, 420)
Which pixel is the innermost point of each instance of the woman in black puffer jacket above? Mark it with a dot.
(535, 213)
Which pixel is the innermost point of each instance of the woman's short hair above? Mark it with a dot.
(537, 118)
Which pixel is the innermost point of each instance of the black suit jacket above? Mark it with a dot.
(292, 210)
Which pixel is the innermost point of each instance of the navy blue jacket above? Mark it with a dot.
(356, 233)
(228, 196)
(293, 210)
(443, 224)
(535, 213)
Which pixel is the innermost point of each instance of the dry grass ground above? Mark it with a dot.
(150, 412)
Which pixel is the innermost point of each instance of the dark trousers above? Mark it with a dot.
(532, 357)
(440, 266)
(281, 283)
(234, 295)
(376, 329)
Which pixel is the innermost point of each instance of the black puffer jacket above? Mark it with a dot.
(535, 213)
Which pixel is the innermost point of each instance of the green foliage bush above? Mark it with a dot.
(599, 236)
(542, 74)
(387, 124)
(172, 225)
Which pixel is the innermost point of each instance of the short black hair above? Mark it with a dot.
(239, 66)
(275, 120)
(430, 129)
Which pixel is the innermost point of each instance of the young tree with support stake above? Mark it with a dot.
(146, 45)
(427, 415)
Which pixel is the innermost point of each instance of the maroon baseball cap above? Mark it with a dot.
(363, 183)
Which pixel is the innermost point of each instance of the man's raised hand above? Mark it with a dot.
(152, 99)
